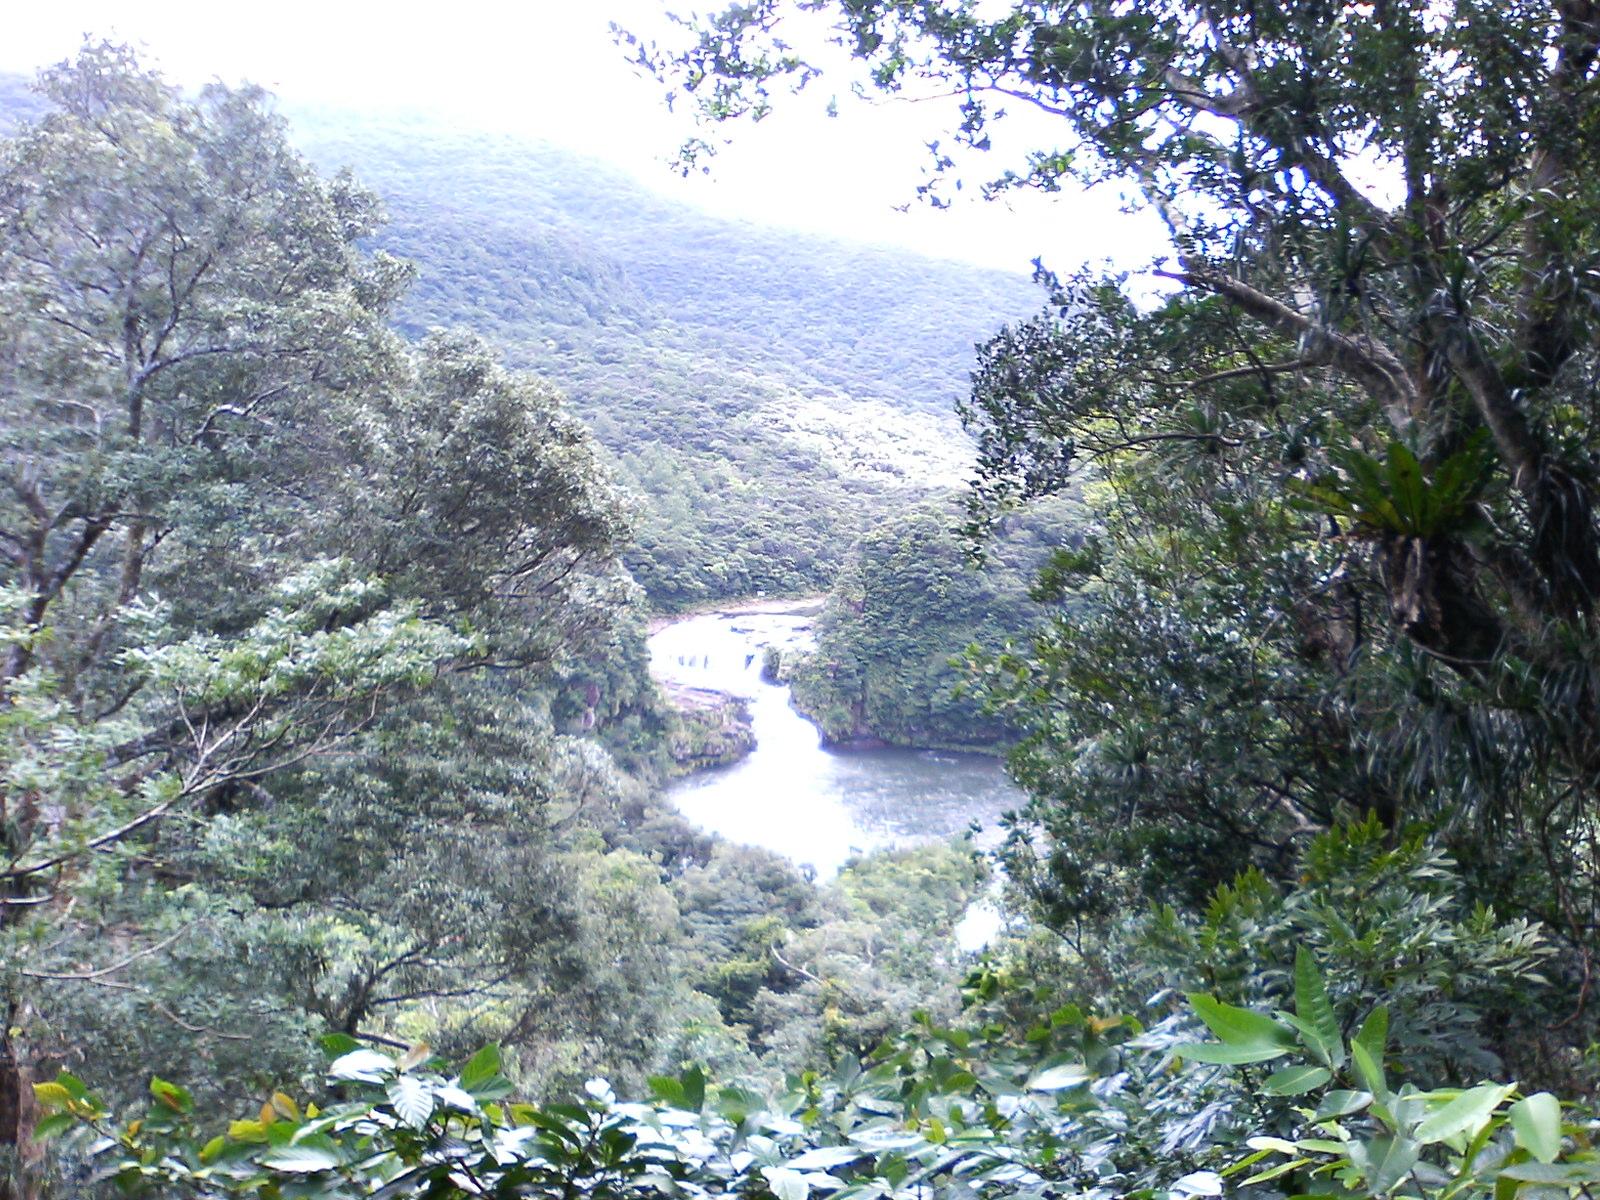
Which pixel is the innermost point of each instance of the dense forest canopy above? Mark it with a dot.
(1303, 900)
(1346, 467)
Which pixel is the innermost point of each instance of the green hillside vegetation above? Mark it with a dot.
(906, 608)
(770, 396)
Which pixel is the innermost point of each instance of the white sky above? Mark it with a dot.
(549, 69)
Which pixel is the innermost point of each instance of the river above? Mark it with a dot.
(817, 806)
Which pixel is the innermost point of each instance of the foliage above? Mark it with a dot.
(1345, 447)
(902, 611)
(1081, 1103)
(314, 639)
(770, 396)
(1347, 1127)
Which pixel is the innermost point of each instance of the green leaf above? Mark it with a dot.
(75, 1086)
(172, 1096)
(1384, 1161)
(1322, 1145)
(825, 1157)
(1296, 1081)
(51, 1095)
(1282, 1168)
(1568, 1174)
(1370, 1068)
(1266, 1142)
(1245, 1163)
(1312, 1006)
(1536, 1122)
(1198, 1183)
(786, 1184)
(1223, 1055)
(53, 1126)
(1467, 1113)
(668, 1090)
(303, 1158)
(483, 1067)
(361, 1066)
(1239, 1026)
(694, 1089)
(412, 1100)
(1341, 1103)
(1374, 1034)
(335, 1045)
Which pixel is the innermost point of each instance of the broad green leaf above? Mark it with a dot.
(335, 1045)
(1296, 1081)
(1568, 1174)
(786, 1184)
(1266, 1142)
(1536, 1122)
(303, 1158)
(52, 1126)
(1240, 1026)
(1384, 1161)
(1374, 1034)
(1225, 1055)
(75, 1086)
(668, 1090)
(824, 1157)
(1466, 1114)
(1370, 1068)
(694, 1089)
(451, 1096)
(51, 1095)
(361, 1066)
(481, 1068)
(1341, 1103)
(1312, 1006)
(412, 1100)
(1198, 1183)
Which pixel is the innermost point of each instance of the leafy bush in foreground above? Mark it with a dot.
(1081, 1105)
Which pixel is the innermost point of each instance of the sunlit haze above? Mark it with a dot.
(552, 72)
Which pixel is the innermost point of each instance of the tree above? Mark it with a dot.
(243, 526)
(1380, 325)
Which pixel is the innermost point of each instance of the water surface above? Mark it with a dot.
(816, 806)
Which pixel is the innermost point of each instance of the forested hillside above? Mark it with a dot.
(771, 396)
(909, 604)
(335, 857)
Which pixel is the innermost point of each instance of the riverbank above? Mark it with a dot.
(705, 705)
